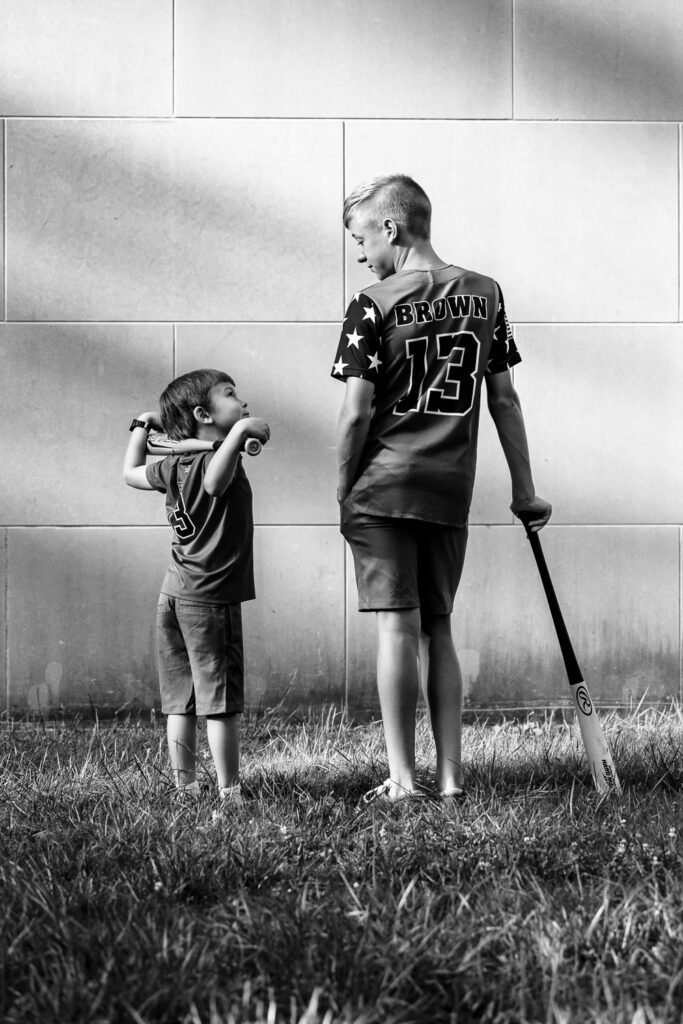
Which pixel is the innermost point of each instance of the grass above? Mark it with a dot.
(534, 901)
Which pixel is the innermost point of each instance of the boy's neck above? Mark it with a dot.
(418, 255)
(208, 433)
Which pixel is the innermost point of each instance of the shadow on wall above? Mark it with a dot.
(173, 220)
(185, 220)
(575, 60)
(84, 383)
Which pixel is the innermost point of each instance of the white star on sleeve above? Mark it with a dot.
(354, 338)
(369, 313)
(375, 362)
(355, 297)
(339, 367)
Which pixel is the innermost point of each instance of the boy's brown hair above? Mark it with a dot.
(179, 400)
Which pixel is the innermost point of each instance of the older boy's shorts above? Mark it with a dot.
(200, 655)
(404, 563)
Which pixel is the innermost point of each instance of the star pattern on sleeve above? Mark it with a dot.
(503, 352)
(360, 343)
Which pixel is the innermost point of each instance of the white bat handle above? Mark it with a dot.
(252, 446)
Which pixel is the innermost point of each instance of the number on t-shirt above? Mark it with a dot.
(180, 521)
(445, 385)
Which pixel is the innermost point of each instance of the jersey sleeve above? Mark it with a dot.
(157, 474)
(360, 341)
(503, 350)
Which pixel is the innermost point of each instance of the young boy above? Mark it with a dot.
(414, 350)
(199, 621)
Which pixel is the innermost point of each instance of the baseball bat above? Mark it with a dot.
(597, 752)
(159, 443)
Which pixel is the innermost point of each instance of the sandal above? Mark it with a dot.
(382, 794)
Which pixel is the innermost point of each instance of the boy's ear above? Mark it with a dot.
(391, 229)
(201, 415)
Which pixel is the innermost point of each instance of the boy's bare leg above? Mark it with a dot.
(181, 732)
(397, 684)
(223, 734)
(441, 670)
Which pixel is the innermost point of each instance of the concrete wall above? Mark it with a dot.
(172, 181)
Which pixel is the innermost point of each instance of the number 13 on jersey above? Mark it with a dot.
(443, 374)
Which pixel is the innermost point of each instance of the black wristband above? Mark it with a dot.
(140, 423)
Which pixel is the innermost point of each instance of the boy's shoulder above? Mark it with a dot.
(177, 468)
(408, 283)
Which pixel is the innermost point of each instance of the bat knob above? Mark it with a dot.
(252, 446)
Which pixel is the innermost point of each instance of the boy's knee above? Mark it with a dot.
(405, 621)
(435, 625)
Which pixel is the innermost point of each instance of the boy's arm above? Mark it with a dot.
(221, 469)
(352, 431)
(506, 412)
(159, 443)
(135, 459)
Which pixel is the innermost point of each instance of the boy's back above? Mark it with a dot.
(211, 551)
(425, 339)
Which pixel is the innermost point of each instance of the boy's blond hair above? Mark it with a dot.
(393, 196)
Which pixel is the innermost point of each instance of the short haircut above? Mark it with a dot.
(393, 196)
(179, 400)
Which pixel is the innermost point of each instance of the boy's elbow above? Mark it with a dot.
(215, 488)
(500, 404)
(355, 418)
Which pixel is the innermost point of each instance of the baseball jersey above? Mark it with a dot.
(212, 547)
(425, 339)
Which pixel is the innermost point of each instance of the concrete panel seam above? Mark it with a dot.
(189, 323)
(173, 41)
(346, 626)
(5, 624)
(156, 119)
(597, 323)
(296, 526)
(4, 220)
(513, 57)
(343, 230)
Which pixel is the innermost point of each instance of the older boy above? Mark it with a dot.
(199, 622)
(414, 350)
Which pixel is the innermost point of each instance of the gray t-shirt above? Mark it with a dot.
(212, 548)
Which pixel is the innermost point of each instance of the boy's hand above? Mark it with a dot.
(253, 426)
(152, 419)
(221, 469)
(536, 512)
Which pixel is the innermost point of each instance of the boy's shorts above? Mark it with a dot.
(404, 563)
(200, 655)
